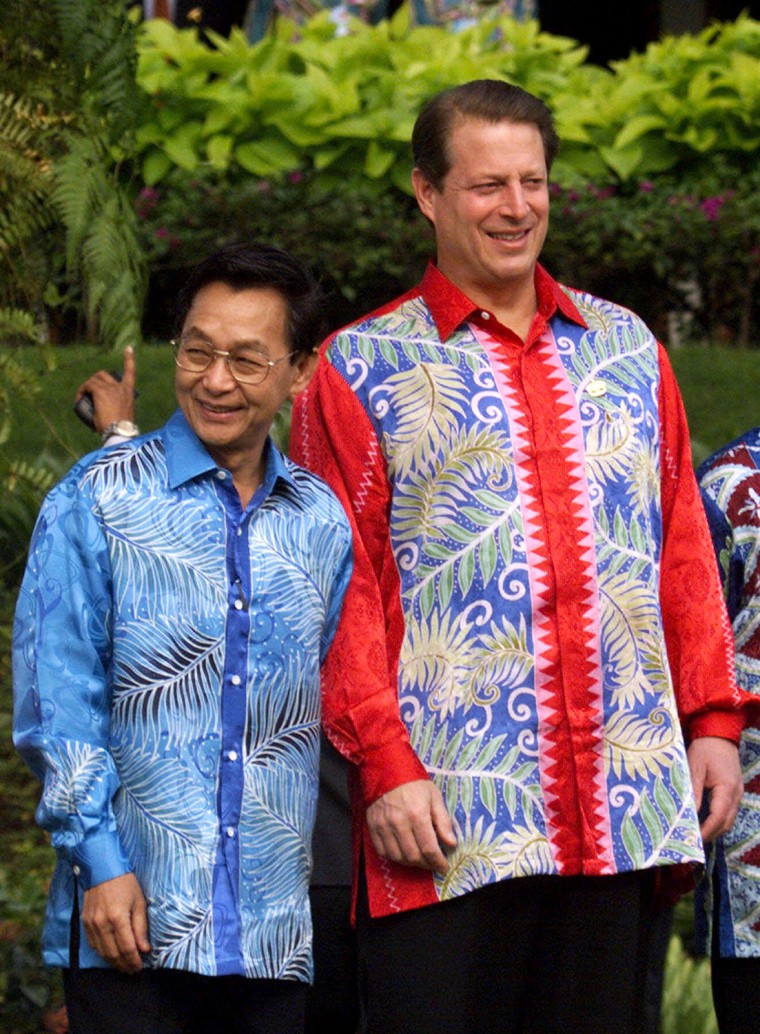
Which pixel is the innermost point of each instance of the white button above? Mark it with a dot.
(76, 870)
(486, 315)
(221, 474)
(238, 604)
(232, 755)
(230, 831)
(240, 532)
(235, 680)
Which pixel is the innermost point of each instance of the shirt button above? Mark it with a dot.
(486, 315)
(235, 680)
(76, 870)
(221, 475)
(230, 831)
(238, 604)
(240, 532)
(232, 755)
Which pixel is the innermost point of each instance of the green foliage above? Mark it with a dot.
(683, 253)
(97, 44)
(305, 97)
(687, 997)
(26, 213)
(345, 105)
(66, 128)
(189, 215)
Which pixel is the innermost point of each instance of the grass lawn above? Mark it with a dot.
(721, 392)
(721, 389)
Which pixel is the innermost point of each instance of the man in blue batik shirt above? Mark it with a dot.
(181, 593)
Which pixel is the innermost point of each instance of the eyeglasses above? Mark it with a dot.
(246, 365)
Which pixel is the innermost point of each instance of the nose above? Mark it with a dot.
(217, 376)
(512, 201)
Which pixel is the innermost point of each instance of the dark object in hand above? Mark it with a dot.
(85, 407)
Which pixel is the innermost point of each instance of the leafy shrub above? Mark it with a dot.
(365, 245)
(66, 125)
(345, 104)
(684, 254)
(305, 97)
(670, 109)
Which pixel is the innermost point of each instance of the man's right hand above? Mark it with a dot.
(115, 919)
(113, 400)
(410, 824)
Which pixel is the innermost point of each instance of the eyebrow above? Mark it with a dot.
(256, 344)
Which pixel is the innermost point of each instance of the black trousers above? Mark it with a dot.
(165, 1001)
(332, 1004)
(534, 955)
(736, 994)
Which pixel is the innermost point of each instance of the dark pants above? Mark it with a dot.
(332, 1004)
(534, 955)
(165, 1001)
(736, 995)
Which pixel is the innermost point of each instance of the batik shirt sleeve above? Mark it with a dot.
(331, 435)
(697, 630)
(61, 658)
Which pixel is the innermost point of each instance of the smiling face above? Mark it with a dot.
(491, 214)
(231, 419)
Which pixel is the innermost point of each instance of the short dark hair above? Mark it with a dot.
(489, 100)
(242, 265)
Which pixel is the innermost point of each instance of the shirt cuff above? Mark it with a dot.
(727, 725)
(389, 766)
(99, 859)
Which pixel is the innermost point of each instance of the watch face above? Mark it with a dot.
(125, 427)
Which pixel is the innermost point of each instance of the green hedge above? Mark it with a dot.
(345, 104)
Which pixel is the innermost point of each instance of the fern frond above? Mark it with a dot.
(18, 324)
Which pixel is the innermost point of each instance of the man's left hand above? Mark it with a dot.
(113, 400)
(714, 765)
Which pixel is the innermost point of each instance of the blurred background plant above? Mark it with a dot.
(128, 146)
(69, 107)
(128, 150)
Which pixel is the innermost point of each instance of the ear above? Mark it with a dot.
(305, 367)
(424, 191)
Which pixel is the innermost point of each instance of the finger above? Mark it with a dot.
(377, 836)
(130, 368)
(86, 386)
(697, 783)
(722, 815)
(129, 959)
(444, 827)
(102, 940)
(140, 929)
(429, 849)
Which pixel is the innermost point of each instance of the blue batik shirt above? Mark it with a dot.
(167, 649)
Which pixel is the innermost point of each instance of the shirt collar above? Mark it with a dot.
(187, 457)
(450, 307)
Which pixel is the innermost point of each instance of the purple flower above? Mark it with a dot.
(711, 207)
(646, 186)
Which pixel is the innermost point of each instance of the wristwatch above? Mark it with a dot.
(120, 428)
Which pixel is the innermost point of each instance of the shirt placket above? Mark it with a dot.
(235, 679)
